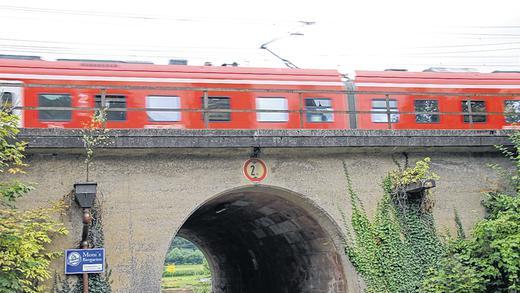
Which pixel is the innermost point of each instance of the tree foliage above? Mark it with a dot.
(24, 259)
(183, 251)
(488, 261)
(94, 135)
(11, 159)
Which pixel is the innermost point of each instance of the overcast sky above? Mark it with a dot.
(346, 35)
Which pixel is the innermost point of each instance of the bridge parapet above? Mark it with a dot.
(179, 138)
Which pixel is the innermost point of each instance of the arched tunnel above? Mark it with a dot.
(262, 239)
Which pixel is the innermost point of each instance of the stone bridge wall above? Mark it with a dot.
(148, 193)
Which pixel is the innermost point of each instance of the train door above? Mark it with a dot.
(11, 98)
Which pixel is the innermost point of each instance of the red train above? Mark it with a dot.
(64, 93)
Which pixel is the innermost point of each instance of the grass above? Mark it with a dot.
(186, 276)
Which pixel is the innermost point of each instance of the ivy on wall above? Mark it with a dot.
(394, 251)
(98, 283)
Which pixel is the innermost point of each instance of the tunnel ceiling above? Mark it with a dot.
(256, 241)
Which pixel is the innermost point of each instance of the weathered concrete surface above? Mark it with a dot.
(178, 138)
(147, 196)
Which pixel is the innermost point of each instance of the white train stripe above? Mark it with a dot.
(167, 80)
(438, 86)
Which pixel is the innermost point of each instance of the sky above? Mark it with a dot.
(344, 35)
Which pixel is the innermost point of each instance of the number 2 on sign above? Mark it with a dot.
(253, 174)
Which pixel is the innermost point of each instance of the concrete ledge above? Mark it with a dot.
(177, 138)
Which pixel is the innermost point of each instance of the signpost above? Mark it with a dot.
(255, 170)
(84, 261)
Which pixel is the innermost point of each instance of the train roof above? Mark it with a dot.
(406, 75)
(121, 68)
(455, 80)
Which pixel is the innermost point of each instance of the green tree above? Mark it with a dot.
(488, 261)
(24, 259)
(182, 251)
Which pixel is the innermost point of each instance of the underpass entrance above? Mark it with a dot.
(261, 239)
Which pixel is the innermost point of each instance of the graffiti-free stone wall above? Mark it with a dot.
(147, 195)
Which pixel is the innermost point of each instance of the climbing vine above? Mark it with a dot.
(98, 283)
(394, 250)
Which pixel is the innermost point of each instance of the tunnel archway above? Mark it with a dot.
(261, 239)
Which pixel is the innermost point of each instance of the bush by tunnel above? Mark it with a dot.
(262, 239)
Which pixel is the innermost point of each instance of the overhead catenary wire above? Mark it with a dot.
(100, 44)
(157, 53)
(437, 53)
(140, 16)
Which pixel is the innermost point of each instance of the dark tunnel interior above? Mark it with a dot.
(258, 241)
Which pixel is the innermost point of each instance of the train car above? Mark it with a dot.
(437, 99)
(62, 94)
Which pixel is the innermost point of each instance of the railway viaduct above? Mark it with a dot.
(282, 234)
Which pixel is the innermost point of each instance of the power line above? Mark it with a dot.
(488, 26)
(479, 34)
(172, 50)
(464, 45)
(243, 48)
(139, 16)
(121, 45)
(126, 47)
(203, 54)
(426, 54)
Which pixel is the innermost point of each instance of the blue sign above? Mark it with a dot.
(79, 261)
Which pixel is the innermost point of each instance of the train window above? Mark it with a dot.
(476, 107)
(6, 101)
(512, 109)
(54, 100)
(218, 103)
(321, 108)
(426, 106)
(113, 102)
(271, 104)
(379, 105)
(163, 102)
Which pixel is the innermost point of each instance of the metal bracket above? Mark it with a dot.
(255, 153)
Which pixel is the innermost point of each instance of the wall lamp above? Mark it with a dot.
(85, 194)
(420, 186)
